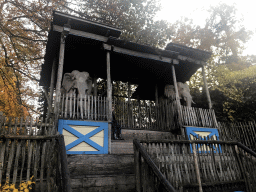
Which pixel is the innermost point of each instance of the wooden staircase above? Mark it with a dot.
(111, 172)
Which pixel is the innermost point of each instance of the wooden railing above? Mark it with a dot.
(244, 132)
(136, 114)
(86, 107)
(148, 177)
(202, 165)
(164, 116)
(32, 156)
(198, 117)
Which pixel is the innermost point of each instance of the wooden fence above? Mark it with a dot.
(32, 156)
(165, 116)
(87, 107)
(136, 114)
(201, 165)
(198, 117)
(244, 132)
(148, 177)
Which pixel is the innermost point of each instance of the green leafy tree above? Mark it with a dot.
(135, 18)
(224, 36)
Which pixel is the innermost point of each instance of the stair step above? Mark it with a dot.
(81, 166)
(102, 173)
(130, 134)
(104, 183)
(121, 147)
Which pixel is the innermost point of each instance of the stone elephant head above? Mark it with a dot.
(183, 90)
(77, 80)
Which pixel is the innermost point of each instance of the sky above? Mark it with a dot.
(197, 10)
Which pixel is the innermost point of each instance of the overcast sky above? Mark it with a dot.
(197, 10)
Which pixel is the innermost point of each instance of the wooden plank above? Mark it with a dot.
(60, 73)
(66, 187)
(23, 157)
(109, 87)
(16, 165)
(37, 148)
(10, 161)
(42, 167)
(197, 168)
(2, 156)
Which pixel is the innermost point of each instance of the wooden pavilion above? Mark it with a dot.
(83, 45)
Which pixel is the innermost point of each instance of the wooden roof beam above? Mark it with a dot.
(81, 33)
(140, 54)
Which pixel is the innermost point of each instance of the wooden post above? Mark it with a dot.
(109, 99)
(137, 166)
(197, 168)
(95, 88)
(175, 84)
(129, 105)
(156, 94)
(49, 110)
(177, 94)
(66, 185)
(64, 34)
(206, 89)
(109, 88)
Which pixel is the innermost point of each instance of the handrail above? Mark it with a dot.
(66, 186)
(168, 152)
(155, 169)
(246, 149)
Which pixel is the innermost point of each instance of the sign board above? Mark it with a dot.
(84, 137)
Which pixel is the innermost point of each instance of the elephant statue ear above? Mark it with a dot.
(186, 87)
(68, 81)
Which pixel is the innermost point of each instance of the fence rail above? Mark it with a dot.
(86, 107)
(199, 117)
(31, 156)
(148, 176)
(244, 132)
(136, 114)
(204, 165)
(164, 116)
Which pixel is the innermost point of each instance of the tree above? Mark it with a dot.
(224, 36)
(24, 26)
(135, 18)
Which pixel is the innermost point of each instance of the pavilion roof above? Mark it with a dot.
(85, 50)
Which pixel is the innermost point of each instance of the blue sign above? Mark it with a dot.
(84, 137)
(196, 133)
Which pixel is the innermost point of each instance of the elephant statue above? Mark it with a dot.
(77, 80)
(183, 90)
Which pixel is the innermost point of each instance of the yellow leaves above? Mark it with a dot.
(23, 187)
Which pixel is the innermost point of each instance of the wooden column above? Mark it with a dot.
(129, 105)
(177, 94)
(49, 110)
(109, 99)
(175, 83)
(206, 89)
(95, 86)
(64, 34)
(197, 167)
(109, 88)
(156, 94)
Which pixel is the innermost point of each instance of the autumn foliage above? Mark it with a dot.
(24, 26)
